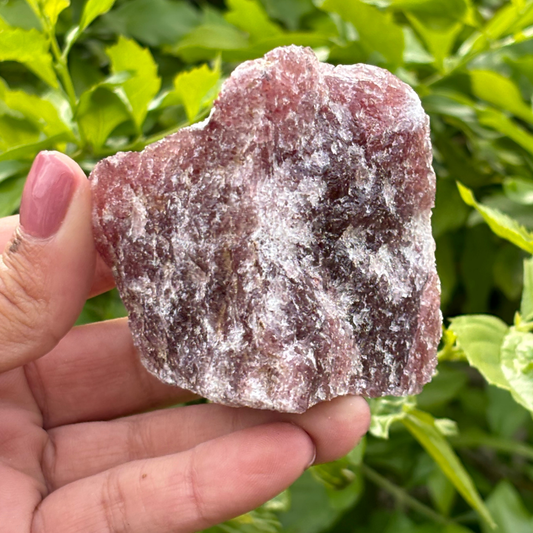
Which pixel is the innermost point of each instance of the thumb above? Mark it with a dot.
(46, 269)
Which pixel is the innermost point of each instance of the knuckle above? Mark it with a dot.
(113, 504)
(138, 441)
(24, 296)
(197, 504)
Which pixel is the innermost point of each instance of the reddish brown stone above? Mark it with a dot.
(280, 253)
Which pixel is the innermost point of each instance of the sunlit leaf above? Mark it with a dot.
(423, 428)
(500, 223)
(30, 148)
(386, 411)
(517, 365)
(93, 9)
(52, 9)
(500, 122)
(439, 41)
(481, 337)
(29, 47)
(100, 111)
(195, 89)
(501, 92)
(144, 83)
(42, 113)
(526, 306)
(250, 16)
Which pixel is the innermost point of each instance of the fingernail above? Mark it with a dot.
(46, 195)
(312, 462)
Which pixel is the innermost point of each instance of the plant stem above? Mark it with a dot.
(402, 496)
(62, 69)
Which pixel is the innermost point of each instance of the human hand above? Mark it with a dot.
(68, 461)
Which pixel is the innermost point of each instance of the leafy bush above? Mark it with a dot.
(91, 78)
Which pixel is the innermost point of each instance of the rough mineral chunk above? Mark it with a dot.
(280, 253)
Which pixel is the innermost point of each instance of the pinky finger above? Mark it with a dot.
(185, 492)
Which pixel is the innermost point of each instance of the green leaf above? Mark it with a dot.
(450, 212)
(100, 111)
(422, 427)
(443, 388)
(508, 510)
(438, 13)
(446, 268)
(508, 270)
(29, 47)
(19, 14)
(517, 365)
(504, 415)
(386, 411)
(441, 491)
(290, 12)
(8, 169)
(497, 120)
(377, 30)
(52, 9)
(477, 260)
(501, 92)
(29, 149)
(42, 113)
(205, 42)
(144, 82)
(519, 190)
(106, 306)
(16, 132)
(526, 306)
(195, 89)
(153, 22)
(93, 9)
(10, 193)
(501, 224)
(250, 16)
(481, 337)
(439, 41)
(335, 475)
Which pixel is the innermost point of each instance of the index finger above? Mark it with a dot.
(103, 278)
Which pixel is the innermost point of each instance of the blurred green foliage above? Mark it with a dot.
(93, 77)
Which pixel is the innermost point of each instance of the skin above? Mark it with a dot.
(79, 451)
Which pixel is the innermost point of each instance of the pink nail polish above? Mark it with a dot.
(46, 195)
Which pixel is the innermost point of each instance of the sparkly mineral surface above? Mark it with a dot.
(280, 253)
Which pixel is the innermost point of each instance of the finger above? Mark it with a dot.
(20, 494)
(46, 269)
(102, 279)
(95, 373)
(82, 450)
(182, 493)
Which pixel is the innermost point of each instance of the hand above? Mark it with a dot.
(74, 456)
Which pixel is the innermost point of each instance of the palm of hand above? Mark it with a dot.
(75, 456)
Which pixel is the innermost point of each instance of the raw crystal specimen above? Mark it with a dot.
(280, 253)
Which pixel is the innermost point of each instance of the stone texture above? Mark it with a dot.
(280, 253)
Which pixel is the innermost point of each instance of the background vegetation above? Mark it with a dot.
(91, 78)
